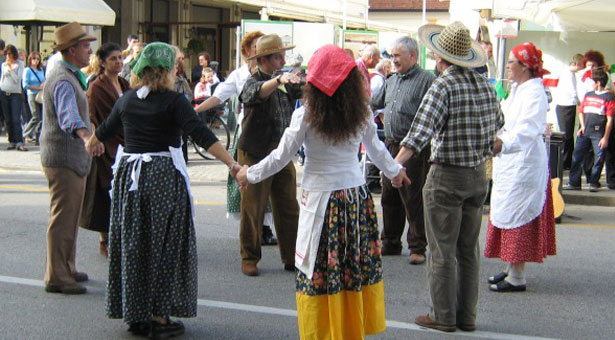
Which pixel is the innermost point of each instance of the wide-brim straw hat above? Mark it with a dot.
(270, 44)
(453, 43)
(69, 35)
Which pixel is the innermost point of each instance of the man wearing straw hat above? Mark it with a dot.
(66, 163)
(460, 116)
(269, 101)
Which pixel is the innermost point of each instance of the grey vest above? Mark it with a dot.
(58, 149)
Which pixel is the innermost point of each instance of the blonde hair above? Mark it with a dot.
(157, 79)
(93, 67)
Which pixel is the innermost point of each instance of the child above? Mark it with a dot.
(596, 118)
(202, 90)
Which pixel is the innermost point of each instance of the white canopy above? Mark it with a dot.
(560, 15)
(87, 12)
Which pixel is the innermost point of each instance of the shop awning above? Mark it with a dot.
(560, 15)
(53, 12)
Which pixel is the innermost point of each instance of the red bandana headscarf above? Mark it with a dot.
(531, 57)
(328, 68)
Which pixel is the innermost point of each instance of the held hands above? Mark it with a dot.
(497, 147)
(234, 169)
(401, 179)
(94, 147)
(242, 177)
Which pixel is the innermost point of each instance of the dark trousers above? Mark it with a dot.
(281, 189)
(609, 161)
(11, 106)
(566, 116)
(399, 205)
(586, 144)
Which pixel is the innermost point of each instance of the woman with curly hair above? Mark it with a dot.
(339, 288)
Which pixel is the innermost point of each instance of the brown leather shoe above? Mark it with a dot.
(72, 289)
(80, 276)
(427, 322)
(416, 259)
(249, 269)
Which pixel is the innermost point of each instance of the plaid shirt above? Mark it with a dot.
(460, 115)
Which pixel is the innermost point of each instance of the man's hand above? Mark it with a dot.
(242, 177)
(94, 147)
(234, 169)
(290, 78)
(604, 143)
(497, 147)
(401, 179)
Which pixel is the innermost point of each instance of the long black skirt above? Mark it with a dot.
(152, 245)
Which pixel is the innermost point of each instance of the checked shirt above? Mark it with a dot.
(460, 115)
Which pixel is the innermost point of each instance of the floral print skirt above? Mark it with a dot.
(152, 245)
(344, 299)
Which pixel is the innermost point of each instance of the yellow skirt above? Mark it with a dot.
(347, 315)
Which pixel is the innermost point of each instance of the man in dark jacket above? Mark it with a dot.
(269, 101)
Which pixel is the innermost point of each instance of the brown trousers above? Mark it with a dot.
(281, 189)
(66, 191)
(406, 203)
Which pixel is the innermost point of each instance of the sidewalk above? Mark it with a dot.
(214, 172)
(199, 169)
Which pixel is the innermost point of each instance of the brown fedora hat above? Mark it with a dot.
(270, 44)
(69, 35)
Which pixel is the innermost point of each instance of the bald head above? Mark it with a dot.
(371, 56)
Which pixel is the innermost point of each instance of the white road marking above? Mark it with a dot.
(292, 313)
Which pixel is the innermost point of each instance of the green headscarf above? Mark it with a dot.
(155, 54)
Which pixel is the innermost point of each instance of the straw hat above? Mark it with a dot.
(454, 44)
(69, 35)
(270, 44)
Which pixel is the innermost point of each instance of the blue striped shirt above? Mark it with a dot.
(67, 111)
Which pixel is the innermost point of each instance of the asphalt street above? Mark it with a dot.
(569, 296)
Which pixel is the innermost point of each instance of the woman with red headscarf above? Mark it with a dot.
(339, 287)
(521, 226)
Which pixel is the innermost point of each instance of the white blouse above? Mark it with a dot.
(328, 167)
(520, 171)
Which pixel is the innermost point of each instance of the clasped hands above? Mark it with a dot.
(94, 147)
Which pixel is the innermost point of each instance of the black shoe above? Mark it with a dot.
(289, 267)
(375, 189)
(142, 328)
(267, 238)
(505, 286)
(167, 330)
(497, 277)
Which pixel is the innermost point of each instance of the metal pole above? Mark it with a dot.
(345, 10)
(238, 47)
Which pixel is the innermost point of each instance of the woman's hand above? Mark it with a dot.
(94, 147)
(497, 147)
(242, 177)
(401, 179)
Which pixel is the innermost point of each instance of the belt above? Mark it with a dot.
(8, 94)
(447, 165)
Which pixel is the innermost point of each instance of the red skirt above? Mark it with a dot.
(531, 242)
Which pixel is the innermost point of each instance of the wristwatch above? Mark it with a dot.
(279, 79)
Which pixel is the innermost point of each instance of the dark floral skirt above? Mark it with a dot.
(152, 245)
(344, 299)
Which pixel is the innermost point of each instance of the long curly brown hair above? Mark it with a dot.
(341, 116)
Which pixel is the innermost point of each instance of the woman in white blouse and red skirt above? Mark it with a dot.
(339, 287)
(521, 224)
